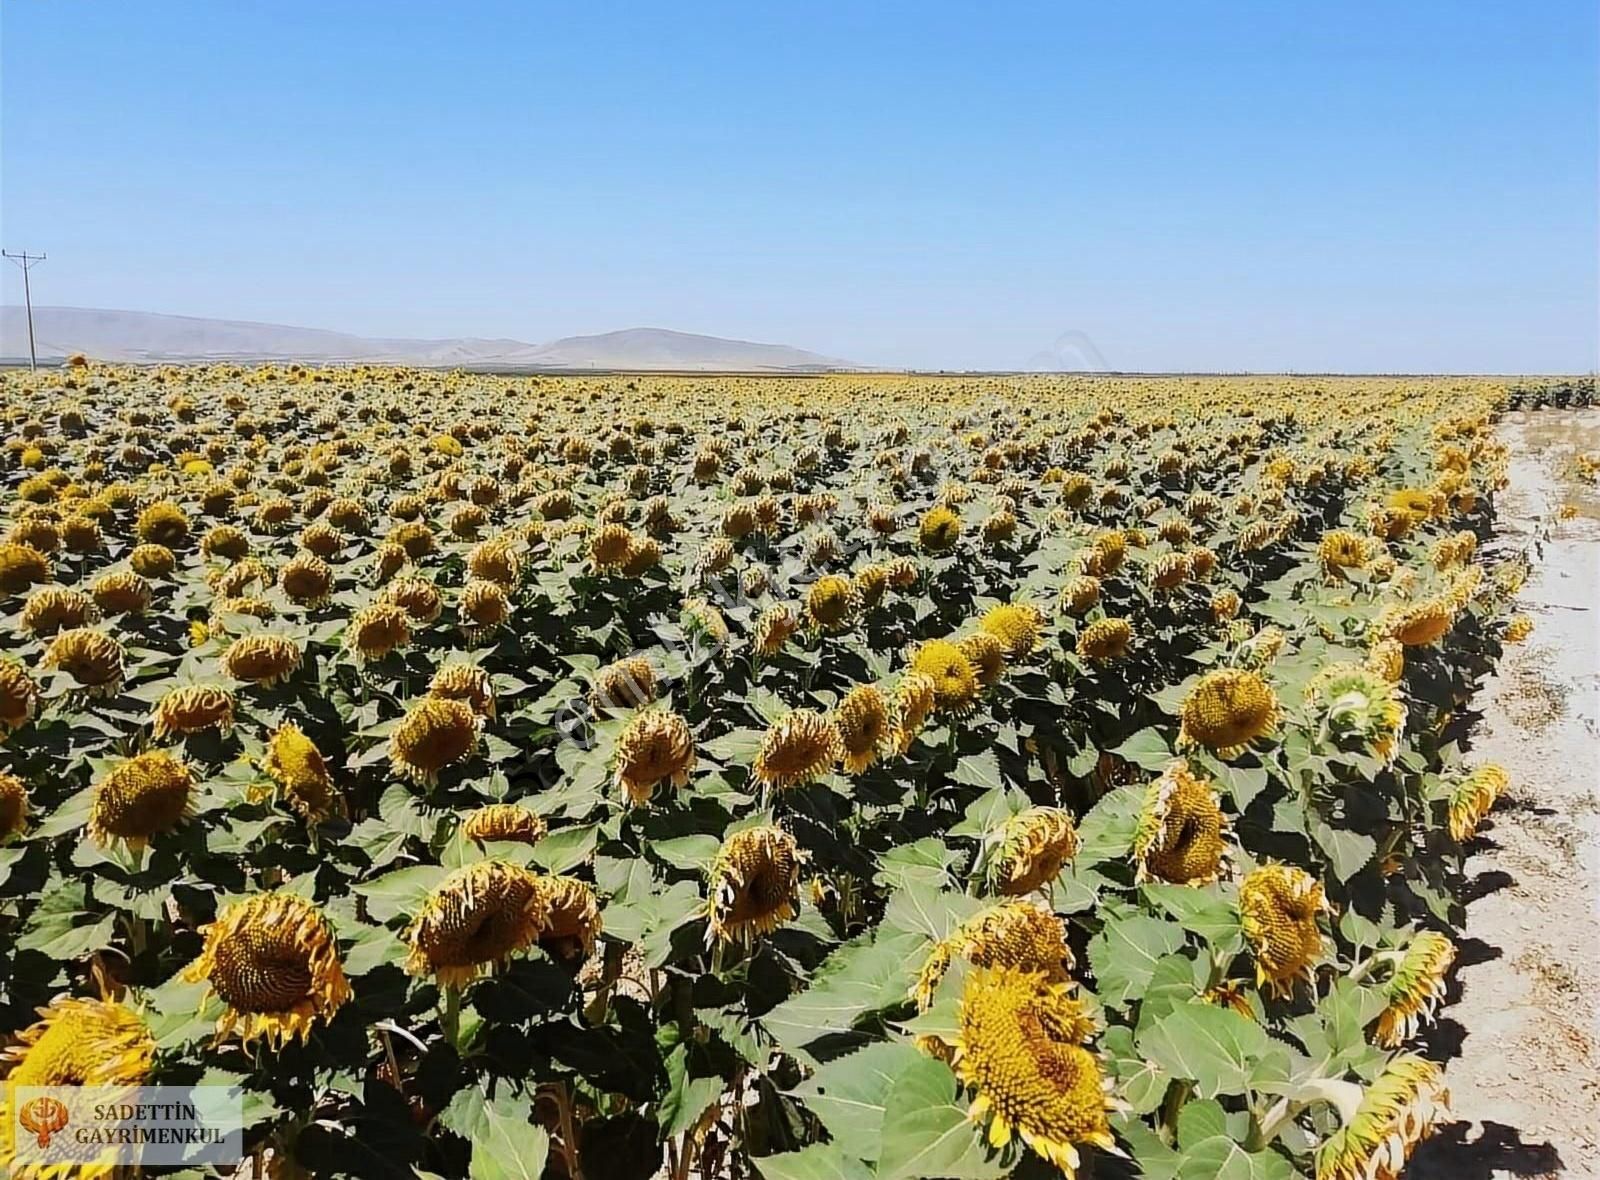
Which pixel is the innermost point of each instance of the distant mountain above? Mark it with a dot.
(143, 337)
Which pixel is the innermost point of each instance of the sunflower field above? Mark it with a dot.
(845, 777)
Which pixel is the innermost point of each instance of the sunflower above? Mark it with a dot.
(419, 599)
(1472, 798)
(307, 580)
(1278, 907)
(573, 922)
(19, 696)
(433, 734)
(773, 629)
(464, 681)
(1387, 659)
(510, 822)
(871, 582)
(264, 660)
(701, 620)
(624, 684)
(754, 885)
(914, 699)
(91, 658)
(141, 798)
(865, 728)
(376, 630)
(1020, 1052)
(163, 523)
(152, 561)
(609, 548)
(55, 608)
(1397, 1111)
(1169, 571)
(496, 561)
(484, 606)
(273, 960)
(1415, 988)
(955, 681)
(13, 806)
(76, 1042)
(1341, 549)
(1359, 707)
(21, 566)
(1225, 605)
(1518, 628)
(474, 921)
(225, 541)
(1227, 710)
(1420, 625)
(1031, 848)
(1180, 833)
(939, 530)
(295, 764)
(192, 708)
(655, 747)
(830, 603)
(122, 592)
(797, 749)
(1013, 933)
(1105, 640)
(1080, 594)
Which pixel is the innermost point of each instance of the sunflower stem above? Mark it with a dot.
(450, 1016)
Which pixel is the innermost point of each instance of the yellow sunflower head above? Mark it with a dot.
(163, 523)
(1278, 907)
(140, 799)
(376, 630)
(307, 580)
(754, 885)
(955, 681)
(655, 747)
(1012, 933)
(1341, 549)
(609, 547)
(1225, 605)
(773, 628)
(1030, 849)
(939, 530)
(475, 920)
(1080, 594)
(625, 684)
(1020, 1052)
(1415, 988)
(464, 681)
(273, 960)
(865, 728)
(1472, 797)
(192, 708)
(19, 696)
(831, 603)
(1518, 628)
(1357, 707)
(294, 763)
(1387, 659)
(1397, 1111)
(122, 592)
(152, 561)
(1105, 640)
(21, 566)
(1180, 833)
(871, 582)
(261, 659)
(504, 821)
(986, 654)
(797, 749)
(914, 699)
(91, 658)
(13, 806)
(573, 920)
(55, 608)
(434, 733)
(1227, 710)
(1418, 625)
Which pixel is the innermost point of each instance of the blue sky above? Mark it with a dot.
(1362, 187)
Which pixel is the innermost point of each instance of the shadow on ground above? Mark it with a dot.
(1498, 1151)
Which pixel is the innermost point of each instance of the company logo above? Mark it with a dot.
(43, 1118)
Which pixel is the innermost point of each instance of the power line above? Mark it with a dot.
(26, 262)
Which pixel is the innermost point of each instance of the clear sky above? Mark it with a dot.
(1346, 186)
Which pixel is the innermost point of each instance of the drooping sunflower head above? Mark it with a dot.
(1518, 628)
(1225, 605)
(504, 821)
(484, 606)
(1021, 1055)
(1012, 933)
(1398, 1110)
(1105, 640)
(192, 708)
(704, 622)
(1387, 659)
(461, 680)
(831, 603)
(273, 960)
(609, 547)
(19, 696)
(141, 798)
(1419, 625)
(655, 747)
(13, 806)
(264, 660)
(417, 597)
(92, 658)
(1180, 833)
(939, 530)
(21, 566)
(773, 628)
(1080, 594)
(796, 749)
(434, 733)
(1357, 707)
(754, 884)
(1016, 625)
(914, 699)
(1278, 907)
(1030, 848)
(1169, 571)
(1341, 549)
(955, 681)
(294, 763)
(871, 582)
(1472, 797)
(1227, 710)
(625, 684)
(864, 725)
(122, 592)
(573, 922)
(163, 523)
(1415, 989)
(55, 608)
(474, 920)
(986, 654)
(307, 580)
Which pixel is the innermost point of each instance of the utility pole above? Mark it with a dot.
(26, 262)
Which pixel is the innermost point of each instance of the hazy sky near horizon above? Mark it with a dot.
(1356, 187)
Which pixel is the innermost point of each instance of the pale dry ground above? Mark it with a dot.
(1522, 1041)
